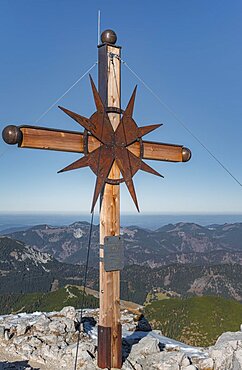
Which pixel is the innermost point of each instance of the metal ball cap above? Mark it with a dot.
(12, 135)
(108, 37)
(186, 154)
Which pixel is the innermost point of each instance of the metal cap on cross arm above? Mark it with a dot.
(12, 135)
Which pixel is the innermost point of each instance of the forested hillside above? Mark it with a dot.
(197, 321)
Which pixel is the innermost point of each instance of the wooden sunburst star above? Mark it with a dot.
(114, 145)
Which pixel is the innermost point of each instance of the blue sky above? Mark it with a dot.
(189, 52)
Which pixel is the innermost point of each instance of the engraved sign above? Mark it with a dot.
(113, 253)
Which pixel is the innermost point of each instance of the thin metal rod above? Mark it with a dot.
(98, 26)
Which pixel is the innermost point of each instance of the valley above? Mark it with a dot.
(181, 260)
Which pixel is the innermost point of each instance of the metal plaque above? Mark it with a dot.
(113, 253)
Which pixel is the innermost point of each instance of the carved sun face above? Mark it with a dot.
(114, 145)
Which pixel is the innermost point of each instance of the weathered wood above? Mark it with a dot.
(71, 141)
(109, 315)
(104, 354)
(51, 139)
(158, 151)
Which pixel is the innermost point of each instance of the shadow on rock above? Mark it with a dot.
(16, 365)
(142, 329)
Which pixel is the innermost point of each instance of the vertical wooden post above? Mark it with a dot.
(109, 331)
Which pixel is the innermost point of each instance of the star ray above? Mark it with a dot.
(88, 160)
(104, 166)
(83, 121)
(138, 164)
(124, 164)
(146, 129)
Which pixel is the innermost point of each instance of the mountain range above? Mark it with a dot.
(183, 243)
(24, 269)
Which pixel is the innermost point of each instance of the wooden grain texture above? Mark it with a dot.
(70, 141)
(40, 138)
(158, 151)
(109, 315)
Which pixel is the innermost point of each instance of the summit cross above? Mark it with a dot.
(113, 146)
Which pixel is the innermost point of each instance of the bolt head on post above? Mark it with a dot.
(12, 135)
(108, 37)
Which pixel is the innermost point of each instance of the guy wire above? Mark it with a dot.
(84, 288)
(74, 84)
(179, 120)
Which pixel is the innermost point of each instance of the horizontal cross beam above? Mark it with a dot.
(70, 141)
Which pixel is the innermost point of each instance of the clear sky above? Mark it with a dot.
(189, 52)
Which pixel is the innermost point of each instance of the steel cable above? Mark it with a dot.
(84, 288)
(74, 84)
(179, 120)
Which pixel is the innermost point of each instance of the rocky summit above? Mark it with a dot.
(49, 341)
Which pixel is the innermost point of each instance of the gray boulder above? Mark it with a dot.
(2, 330)
(42, 324)
(21, 329)
(230, 337)
(203, 363)
(189, 367)
(237, 363)
(146, 346)
(69, 312)
(57, 327)
(223, 354)
(163, 361)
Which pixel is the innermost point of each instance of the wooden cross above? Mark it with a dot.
(112, 145)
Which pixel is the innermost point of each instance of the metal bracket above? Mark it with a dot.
(113, 55)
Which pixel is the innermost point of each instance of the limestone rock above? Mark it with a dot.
(185, 361)
(203, 363)
(2, 330)
(34, 341)
(21, 329)
(230, 337)
(26, 349)
(57, 327)
(222, 354)
(69, 312)
(18, 340)
(146, 346)
(69, 325)
(89, 367)
(162, 361)
(42, 324)
(127, 365)
(237, 363)
(51, 340)
(6, 335)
